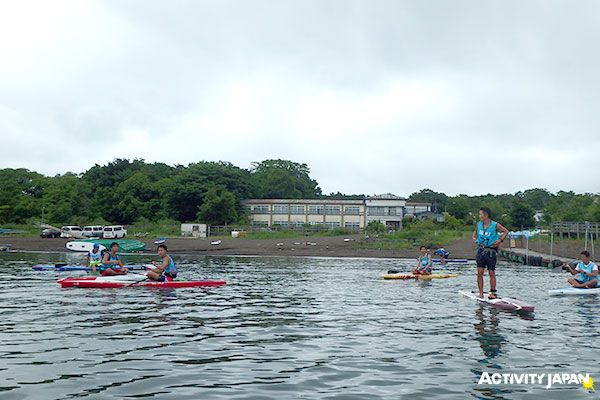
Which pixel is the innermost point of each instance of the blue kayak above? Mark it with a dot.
(62, 268)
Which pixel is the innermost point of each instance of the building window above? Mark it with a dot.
(297, 225)
(332, 210)
(352, 225)
(260, 209)
(332, 225)
(382, 211)
(316, 210)
(280, 209)
(353, 210)
(316, 223)
(297, 210)
(260, 223)
(281, 224)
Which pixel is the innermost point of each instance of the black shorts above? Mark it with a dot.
(486, 257)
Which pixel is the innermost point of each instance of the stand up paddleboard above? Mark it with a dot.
(82, 246)
(571, 291)
(503, 303)
(451, 260)
(423, 277)
(114, 282)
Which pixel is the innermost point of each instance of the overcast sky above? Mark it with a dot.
(375, 96)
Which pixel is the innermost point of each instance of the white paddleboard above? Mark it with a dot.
(571, 291)
(81, 246)
(504, 303)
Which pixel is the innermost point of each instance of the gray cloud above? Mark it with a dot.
(384, 96)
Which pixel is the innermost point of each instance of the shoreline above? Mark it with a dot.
(322, 246)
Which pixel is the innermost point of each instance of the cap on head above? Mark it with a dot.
(96, 245)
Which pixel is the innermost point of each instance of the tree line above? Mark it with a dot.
(518, 210)
(129, 191)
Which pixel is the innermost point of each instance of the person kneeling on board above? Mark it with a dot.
(442, 253)
(166, 269)
(487, 235)
(587, 271)
(111, 262)
(424, 262)
(94, 257)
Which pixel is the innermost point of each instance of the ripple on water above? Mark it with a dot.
(285, 328)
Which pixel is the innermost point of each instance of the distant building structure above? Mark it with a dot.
(387, 208)
(194, 230)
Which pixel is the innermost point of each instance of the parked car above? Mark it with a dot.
(114, 232)
(50, 233)
(93, 231)
(73, 231)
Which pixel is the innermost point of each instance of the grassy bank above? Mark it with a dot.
(413, 238)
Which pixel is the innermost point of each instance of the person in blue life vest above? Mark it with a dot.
(488, 235)
(94, 257)
(586, 271)
(111, 262)
(442, 253)
(166, 269)
(424, 262)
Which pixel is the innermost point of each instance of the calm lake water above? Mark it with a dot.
(287, 328)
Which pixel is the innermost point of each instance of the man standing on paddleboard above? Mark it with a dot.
(488, 235)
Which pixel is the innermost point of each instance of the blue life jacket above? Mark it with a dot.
(487, 236)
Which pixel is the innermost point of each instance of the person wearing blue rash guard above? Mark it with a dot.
(442, 253)
(586, 271)
(111, 262)
(488, 235)
(424, 262)
(166, 269)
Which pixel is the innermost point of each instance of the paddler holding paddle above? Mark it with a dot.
(166, 269)
(488, 235)
(111, 262)
(94, 257)
(424, 262)
(587, 271)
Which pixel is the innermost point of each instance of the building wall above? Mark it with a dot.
(353, 214)
(291, 213)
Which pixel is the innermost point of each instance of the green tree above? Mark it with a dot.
(285, 180)
(458, 207)
(438, 200)
(522, 216)
(218, 207)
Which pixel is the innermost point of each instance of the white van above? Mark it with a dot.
(93, 231)
(114, 232)
(71, 231)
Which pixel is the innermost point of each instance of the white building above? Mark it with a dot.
(387, 209)
(194, 230)
(295, 214)
(349, 214)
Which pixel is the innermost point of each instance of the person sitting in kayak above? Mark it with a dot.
(166, 269)
(424, 262)
(442, 253)
(488, 235)
(94, 257)
(111, 262)
(587, 271)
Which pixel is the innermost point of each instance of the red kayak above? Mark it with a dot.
(112, 282)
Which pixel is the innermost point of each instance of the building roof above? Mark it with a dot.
(385, 196)
(303, 201)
